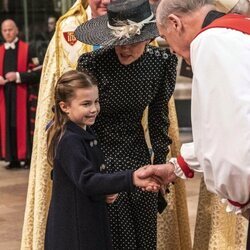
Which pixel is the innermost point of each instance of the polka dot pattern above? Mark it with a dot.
(125, 91)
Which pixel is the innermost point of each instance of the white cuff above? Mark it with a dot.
(230, 208)
(18, 78)
(177, 169)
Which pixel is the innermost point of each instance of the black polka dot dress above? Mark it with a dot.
(125, 91)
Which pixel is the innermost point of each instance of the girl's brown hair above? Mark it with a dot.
(64, 92)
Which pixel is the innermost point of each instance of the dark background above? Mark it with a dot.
(37, 15)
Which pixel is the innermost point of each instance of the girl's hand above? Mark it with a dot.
(149, 183)
(111, 198)
(163, 173)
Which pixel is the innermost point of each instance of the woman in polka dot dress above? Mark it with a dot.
(131, 76)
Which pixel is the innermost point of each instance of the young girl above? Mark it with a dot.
(77, 216)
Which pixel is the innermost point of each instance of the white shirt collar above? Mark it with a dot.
(11, 45)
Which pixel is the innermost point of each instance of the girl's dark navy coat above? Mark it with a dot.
(77, 216)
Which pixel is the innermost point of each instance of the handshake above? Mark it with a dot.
(152, 177)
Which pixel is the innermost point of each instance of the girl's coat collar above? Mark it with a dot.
(87, 134)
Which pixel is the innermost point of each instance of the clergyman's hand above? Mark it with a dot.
(164, 173)
(11, 76)
(148, 183)
(3, 81)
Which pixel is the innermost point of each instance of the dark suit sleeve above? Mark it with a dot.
(31, 77)
(71, 157)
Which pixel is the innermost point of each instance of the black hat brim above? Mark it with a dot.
(97, 32)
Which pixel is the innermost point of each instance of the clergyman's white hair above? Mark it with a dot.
(167, 7)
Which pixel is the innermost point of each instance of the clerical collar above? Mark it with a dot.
(211, 16)
(11, 45)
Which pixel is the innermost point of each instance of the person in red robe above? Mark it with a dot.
(15, 78)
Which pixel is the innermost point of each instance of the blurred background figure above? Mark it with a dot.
(51, 26)
(233, 6)
(16, 74)
(97, 7)
(40, 39)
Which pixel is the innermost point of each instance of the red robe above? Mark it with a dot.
(232, 21)
(21, 105)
